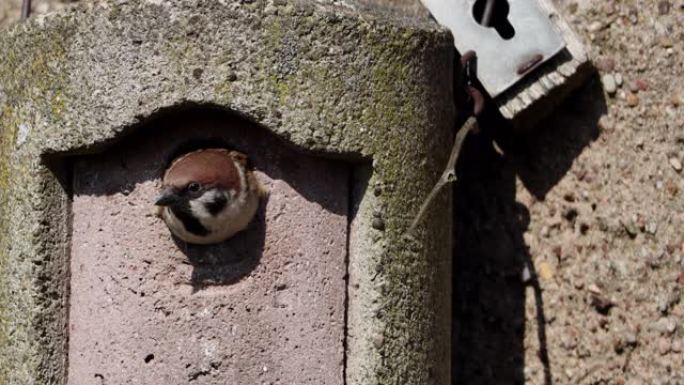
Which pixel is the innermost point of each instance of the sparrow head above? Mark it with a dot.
(208, 195)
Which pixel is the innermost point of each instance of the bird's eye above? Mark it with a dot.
(194, 187)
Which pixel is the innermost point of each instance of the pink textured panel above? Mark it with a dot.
(266, 307)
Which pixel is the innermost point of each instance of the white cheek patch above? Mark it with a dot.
(234, 217)
(208, 196)
(198, 209)
(199, 205)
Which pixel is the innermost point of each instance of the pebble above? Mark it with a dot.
(632, 100)
(663, 7)
(676, 100)
(601, 304)
(641, 84)
(281, 286)
(378, 224)
(593, 288)
(603, 224)
(633, 15)
(583, 351)
(606, 123)
(569, 341)
(631, 228)
(671, 187)
(666, 42)
(633, 86)
(677, 346)
(676, 164)
(631, 338)
(605, 65)
(655, 261)
(664, 346)
(624, 341)
(578, 284)
(545, 271)
(671, 325)
(640, 143)
(618, 79)
(665, 325)
(595, 26)
(545, 231)
(609, 84)
(663, 304)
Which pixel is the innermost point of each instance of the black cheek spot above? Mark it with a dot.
(214, 207)
(184, 213)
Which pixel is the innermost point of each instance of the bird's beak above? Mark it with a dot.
(167, 197)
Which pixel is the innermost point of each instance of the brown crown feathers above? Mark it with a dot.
(209, 195)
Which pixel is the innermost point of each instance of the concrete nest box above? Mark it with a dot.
(347, 119)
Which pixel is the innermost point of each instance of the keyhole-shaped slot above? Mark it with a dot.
(498, 16)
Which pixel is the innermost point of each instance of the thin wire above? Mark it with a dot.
(488, 11)
(449, 174)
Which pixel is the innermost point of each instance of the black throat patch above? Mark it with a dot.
(183, 212)
(214, 207)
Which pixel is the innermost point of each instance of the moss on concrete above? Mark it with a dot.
(362, 87)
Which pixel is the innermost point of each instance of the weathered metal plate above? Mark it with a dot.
(500, 60)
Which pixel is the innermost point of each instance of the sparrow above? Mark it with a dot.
(208, 195)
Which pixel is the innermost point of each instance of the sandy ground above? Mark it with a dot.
(570, 241)
(569, 265)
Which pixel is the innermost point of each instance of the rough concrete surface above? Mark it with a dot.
(323, 78)
(590, 200)
(265, 307)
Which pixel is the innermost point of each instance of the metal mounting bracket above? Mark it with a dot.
(502, 61)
